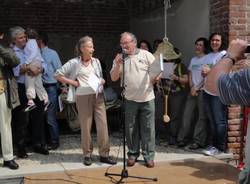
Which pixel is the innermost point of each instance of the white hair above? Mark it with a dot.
(134, 39)
(15, 31)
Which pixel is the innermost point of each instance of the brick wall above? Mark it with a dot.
(239, 19)
(219, 17)
(231, 17)
(239, 27)
(66, 21)
(60, 16)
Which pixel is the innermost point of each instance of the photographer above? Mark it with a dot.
(233, 88)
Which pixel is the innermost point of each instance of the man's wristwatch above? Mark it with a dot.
(227, 56)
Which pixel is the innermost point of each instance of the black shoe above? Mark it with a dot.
(172, 141)
(87, 161)
(107, 160)
(11, 164)
(194, 146)
(41, 150)
(150, 164)
(182, 144)
(53, 146)
(131, 162)
(21, 153)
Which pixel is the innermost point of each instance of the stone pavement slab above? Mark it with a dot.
(69, 157)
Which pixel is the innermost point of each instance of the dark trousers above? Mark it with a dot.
(51, 114)
(194, 110)
(217, 115)
(21, 120)
(176, 103)
(140, 128)
(160, 126)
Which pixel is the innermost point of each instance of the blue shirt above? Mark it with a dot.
(234, 88)
(21, 56)
(53, 63)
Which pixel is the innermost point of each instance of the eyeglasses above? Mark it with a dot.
(126, 43)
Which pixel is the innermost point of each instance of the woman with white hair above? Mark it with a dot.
(76, 72)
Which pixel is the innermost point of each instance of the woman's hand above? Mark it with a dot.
(174, 77)
(205, 70)
(66, 80)
(102, 81)
(75, 83)
(193, 91)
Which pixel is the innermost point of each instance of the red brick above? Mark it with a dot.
(233, 115)
(234, 121)
(234, 127)
(237, 2)
(234, 150)
(232, 139)
(233, 145)
(234, 133)
(242, 21)
(234, 108)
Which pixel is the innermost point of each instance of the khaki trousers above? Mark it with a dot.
(34, 85)
(89, 106)
(5, 129)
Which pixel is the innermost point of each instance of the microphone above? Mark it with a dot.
(124, 55)
(122, 51)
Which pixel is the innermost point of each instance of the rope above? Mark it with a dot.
(167, 5)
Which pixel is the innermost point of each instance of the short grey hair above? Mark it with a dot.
(15, 31)
(134, 39)
(80, 42)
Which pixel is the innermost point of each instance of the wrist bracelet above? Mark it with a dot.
(227, 56)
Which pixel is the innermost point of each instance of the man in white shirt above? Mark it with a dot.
(141, 71)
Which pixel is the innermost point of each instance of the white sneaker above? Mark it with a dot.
(46, 106)
(30, 106)
(211, 151)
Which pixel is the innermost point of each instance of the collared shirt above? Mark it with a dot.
(71, 70)
(32, 53)
(53, 63)
(21, 56)
(234, 88)
(140, 69)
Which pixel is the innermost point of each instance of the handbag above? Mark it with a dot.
(12, 93)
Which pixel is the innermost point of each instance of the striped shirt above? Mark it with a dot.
(234, 88)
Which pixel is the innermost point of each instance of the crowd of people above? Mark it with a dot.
(198, 118)
(30, 90)
(30, 73)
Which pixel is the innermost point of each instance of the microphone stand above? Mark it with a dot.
(124, 173)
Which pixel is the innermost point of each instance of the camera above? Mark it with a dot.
(247, 49)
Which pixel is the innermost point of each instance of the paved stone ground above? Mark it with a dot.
(69, 156)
